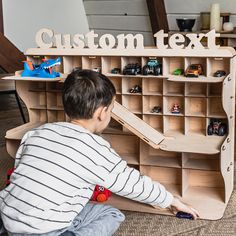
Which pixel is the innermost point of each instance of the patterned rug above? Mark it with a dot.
(136, 223)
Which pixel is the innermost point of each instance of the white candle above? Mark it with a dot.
(215, 17)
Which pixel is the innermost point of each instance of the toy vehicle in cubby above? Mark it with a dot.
(217, 127)
(136, 89)
(194, 70)
(132, 69)
(175, 109)
(219, 73)
(178, 71)
(156, 109)
(153, 66)
(115, 70)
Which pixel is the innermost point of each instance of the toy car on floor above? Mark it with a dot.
(153, 66)
(219, 73)
(156, 109)
(136, 89)
(132, 69)
(43, 70)
(194, 70)
(184, 215)
(217, 127)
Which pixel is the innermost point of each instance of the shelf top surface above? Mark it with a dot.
(145, 52)
(192, 143)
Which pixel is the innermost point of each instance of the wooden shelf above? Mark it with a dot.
(201, 79)
(171, 148)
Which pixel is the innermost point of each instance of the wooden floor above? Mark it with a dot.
(136, 223)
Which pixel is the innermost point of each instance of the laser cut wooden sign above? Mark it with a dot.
(176, 41)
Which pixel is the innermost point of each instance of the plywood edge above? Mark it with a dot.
(18, 132)
(136, 125)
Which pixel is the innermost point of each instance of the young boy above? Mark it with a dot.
(59, 164)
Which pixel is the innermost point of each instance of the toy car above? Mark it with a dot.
(178, 71)
(115, 70)
(132, 69)
(153, 66)
(175, 109)
(156, 109)
(184, 215)
(219, 73)
(216, 127)
(194, 70)
(136, 89)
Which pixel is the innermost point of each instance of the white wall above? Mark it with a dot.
(119, 16)
(23, 18)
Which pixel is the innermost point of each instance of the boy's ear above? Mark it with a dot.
(100, 113)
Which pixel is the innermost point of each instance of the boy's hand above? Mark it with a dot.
(177, 205)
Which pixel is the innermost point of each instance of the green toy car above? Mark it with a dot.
(178, 71)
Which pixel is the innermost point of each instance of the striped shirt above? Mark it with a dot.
(57, 168)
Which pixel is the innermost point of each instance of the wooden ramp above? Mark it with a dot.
(136, 125)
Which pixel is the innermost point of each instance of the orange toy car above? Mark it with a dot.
(194, 70)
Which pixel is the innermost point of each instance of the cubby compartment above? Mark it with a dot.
(56, 115)
(92, 63)
(110, 63)
(195, 125)
(37, 100)
(157, 157)
(171, 178)
(132, 103)
(217, 63)
(127, 146)
(129, 83)
(38, 114)
(71, 63)
(173, 125)
(171, 64)
(155, 121)
(55, 87)
(205, 184)
(37, 86)
(173, 88)
(152, 105)
(197, 60)
(214, 89)
(215, 108)
(54, 101)
(201, 161)
(173, 106)
(195, 106)
(196, 89)
(117, 82)
(152, 86)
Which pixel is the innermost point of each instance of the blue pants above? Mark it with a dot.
(94, 219)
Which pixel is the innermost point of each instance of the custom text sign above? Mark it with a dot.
(121, 41)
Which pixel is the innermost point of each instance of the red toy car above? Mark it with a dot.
(100, 194)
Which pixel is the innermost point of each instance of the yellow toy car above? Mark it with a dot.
(194, 70)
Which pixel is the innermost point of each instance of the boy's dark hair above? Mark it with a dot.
(84, 91)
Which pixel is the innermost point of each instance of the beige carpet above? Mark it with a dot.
(136, 224)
